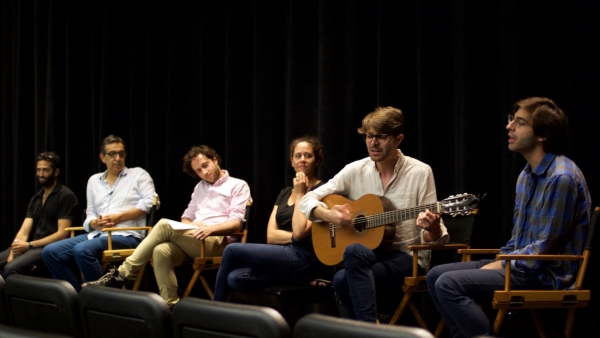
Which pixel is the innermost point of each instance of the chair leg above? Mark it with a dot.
(499, 319)
(570, 322)
(192, 283)
(538, 323)
(207, 288)
(140, 276)
(417, 314)
(440, 328)
(405, 301)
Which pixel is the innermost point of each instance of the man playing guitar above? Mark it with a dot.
(371, 276)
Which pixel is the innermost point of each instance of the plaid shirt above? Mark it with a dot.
(552, 215)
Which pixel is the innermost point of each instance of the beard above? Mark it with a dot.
(48, 182)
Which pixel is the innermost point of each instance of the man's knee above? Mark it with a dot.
(10, 269)
(161, 226)
(161, 251)
(49, 252)
(433, 275)
(339, 279)
(355, 251)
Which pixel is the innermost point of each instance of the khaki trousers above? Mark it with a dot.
(169, 248)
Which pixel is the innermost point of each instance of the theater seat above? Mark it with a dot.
(194, 317)
(13, 332)
(3, 308)
(45, 305)
(110, 312)
(321, 326)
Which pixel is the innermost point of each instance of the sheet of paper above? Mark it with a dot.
(180, 226)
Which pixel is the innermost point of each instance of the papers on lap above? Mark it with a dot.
(181, 226)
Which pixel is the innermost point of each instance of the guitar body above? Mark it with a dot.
(329, 254)
(371, 225)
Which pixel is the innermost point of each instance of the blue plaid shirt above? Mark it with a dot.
(552, 215)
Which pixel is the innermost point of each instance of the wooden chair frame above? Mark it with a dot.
(417, 283)
(571, 300)
(507, 299)
(118, 255)
(203, 263)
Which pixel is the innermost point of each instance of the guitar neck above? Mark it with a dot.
(394, 216)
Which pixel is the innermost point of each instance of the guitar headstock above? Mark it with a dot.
(461, 204)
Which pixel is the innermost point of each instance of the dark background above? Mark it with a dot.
(245, 77)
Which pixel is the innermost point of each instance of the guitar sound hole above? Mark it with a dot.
(360, 223)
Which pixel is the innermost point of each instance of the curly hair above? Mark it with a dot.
(195, 151)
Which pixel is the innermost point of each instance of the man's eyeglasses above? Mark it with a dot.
(519, 121)
(380, 137)
(121, 154)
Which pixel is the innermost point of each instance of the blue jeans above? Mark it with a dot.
(457, 289)
(368, 276)
(253, 267)
(64, 258)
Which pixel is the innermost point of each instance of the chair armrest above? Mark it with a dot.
(437, 247)
(73, 229)
(539, 257)
(147, 228)
(479, 251)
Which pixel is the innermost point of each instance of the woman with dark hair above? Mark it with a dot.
(289, 257)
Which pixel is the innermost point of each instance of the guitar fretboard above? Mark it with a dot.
(376, 220)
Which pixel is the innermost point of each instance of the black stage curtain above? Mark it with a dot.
(246, 77)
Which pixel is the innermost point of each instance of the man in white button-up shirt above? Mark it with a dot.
(118, 197)
(369, 275)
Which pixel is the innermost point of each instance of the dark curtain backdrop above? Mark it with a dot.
(248, 76)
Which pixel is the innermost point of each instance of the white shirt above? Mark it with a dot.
(134, 188)
(412, 185)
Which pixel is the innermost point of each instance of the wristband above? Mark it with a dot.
(30, 246)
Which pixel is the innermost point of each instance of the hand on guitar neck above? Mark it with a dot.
(430, 222)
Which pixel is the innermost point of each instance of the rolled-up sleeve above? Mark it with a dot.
(239, 198)
(146, 191)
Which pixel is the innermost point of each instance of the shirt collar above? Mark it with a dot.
(56, 189)
(542, 167)
(398, 165)
(400, 162)
(220, 181)
(122, 173)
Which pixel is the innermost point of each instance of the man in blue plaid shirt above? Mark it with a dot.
(552, 215)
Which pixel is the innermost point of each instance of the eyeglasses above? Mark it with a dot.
(519, 121)
(121, 154)
(380, 137)
(44, 157)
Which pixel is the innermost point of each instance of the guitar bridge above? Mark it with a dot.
(332, 234)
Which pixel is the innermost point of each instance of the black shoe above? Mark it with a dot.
(111, 279)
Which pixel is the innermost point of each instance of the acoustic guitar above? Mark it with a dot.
(369, 221)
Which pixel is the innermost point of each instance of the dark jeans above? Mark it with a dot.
(253, 267)
(368, 276)
(20, 263)
(457, 289)
(65, 257)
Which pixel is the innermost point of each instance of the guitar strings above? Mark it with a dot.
(371, 221)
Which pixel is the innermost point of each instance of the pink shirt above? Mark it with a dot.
(225, 200)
